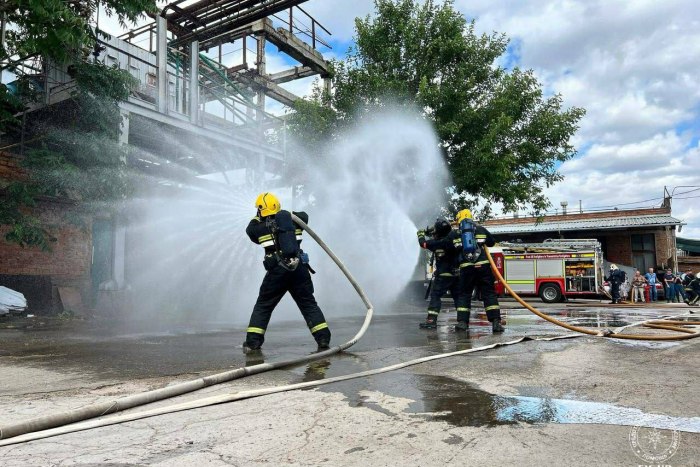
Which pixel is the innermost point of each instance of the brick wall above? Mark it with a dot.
(29, 270)
(10, 168)
(664, 245)
(70, 255)
(617, 245)
(618, 248)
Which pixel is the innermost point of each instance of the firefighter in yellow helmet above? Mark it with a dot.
(287, 269)
(475, 271)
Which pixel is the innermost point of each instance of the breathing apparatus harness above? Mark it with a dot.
(287, 252)
(470, 246)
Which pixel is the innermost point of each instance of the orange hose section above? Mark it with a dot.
(670, 321)
(671, 328)
(690, 335)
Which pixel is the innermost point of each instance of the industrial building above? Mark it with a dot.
(641, 238)
(204, 93)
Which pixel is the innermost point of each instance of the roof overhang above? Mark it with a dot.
(612, 223)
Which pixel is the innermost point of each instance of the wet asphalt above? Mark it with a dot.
(529, 404)
(107, 349)
(101, 349)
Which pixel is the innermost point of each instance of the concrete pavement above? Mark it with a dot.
(571, 402)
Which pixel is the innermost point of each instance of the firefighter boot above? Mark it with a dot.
(323, 344)
(462, 319)
(249, 347)
(496, 326)
(429, 323)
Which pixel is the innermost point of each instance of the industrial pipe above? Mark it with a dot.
(135, 400)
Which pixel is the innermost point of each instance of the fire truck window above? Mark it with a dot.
(580, 276)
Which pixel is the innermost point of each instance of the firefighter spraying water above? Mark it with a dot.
(446, 245)
(460, 267)
(287, 269)
(475, 271)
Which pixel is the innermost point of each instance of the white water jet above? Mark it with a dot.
(190, 261)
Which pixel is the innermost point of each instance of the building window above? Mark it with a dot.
(151, 79)
(643, 251)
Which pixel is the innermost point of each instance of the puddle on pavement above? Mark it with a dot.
(602, 318)
(461, 404)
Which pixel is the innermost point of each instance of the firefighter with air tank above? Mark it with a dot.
(475, 271)
(287, 271)
(461, 248)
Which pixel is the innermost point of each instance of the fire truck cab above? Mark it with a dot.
(553, 269)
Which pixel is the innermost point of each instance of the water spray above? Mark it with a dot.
(135, 400)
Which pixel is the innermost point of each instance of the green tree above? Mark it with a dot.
(60, 29)
(77, 156)
(501, 137)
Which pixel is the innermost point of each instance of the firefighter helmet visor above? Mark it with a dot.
(442, 227)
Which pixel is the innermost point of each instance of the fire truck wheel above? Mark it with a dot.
(550, 293)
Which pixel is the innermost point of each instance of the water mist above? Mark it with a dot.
(190, 261)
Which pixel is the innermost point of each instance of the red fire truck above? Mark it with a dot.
(554, 269)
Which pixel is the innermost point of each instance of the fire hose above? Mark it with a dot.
(135, 400)
(686, 333)
(30, 430)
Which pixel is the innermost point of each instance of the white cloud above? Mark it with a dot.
(338, 16)
(633, 67)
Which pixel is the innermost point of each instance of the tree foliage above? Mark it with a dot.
(77, 156)
(58, 29)
(501, 137)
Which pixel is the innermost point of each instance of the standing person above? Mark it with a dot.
(287, 271)
(670, 288)
(651, 280)
(638, 282)
(475, 271)
(616, 277)
(446, 245)
(678, 284)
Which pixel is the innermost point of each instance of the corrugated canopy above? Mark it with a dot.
(585, 224)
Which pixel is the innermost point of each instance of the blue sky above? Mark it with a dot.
(633, 65)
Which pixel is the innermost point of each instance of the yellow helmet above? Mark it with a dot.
(463, 214)
(267, 204)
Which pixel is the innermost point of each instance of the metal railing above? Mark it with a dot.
(303, 25)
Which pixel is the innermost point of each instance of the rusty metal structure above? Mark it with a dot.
(206, 100)
(202, 67)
